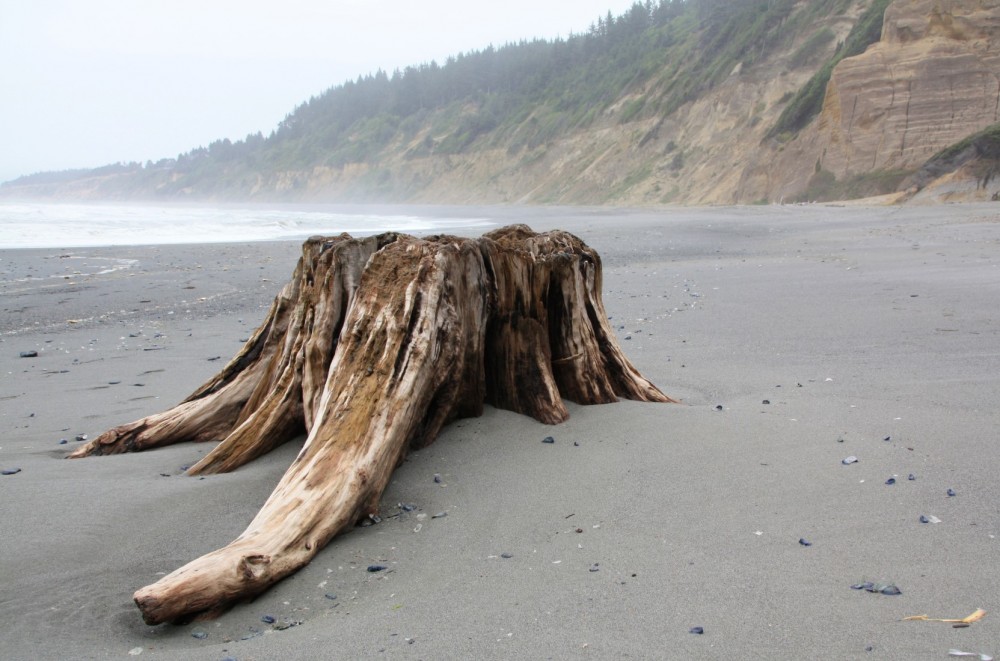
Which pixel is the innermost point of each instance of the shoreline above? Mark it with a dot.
(854, 324)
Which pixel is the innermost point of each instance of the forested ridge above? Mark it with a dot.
(636, 68)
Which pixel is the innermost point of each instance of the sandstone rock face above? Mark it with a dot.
(932, 80)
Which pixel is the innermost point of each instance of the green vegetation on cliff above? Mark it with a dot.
(808, 102)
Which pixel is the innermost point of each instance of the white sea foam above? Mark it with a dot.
(40, 225)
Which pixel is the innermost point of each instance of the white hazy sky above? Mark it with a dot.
(85, 83)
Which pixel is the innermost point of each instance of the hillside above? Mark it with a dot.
(696, 102)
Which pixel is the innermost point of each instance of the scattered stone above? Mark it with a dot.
(440, 515)
(887, 438)
(595, 567)
(29, 354)
(200, 635)
(113, 383)
(437, 478)
(718, 407)
(376, 568)
(406, 507)
(911, 477)
(63, 441)
(804, 542)
(267, 619)
(576, 444)
(766, 401)
(506, 556)
(330, 596)
(10, 471)
(81, 437)
(697, 630)
(877, 588)
(214, 358)
(891, 481)
(287, 625)
(135, 651)
(847, 461)
(548, 439)
(951, 492)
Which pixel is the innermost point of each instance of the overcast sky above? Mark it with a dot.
(85, 83)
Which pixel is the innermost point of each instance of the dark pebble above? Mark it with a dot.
(891, 590)
(440, 515)
(911, 477)
(766, 401)
(951, 492)
(113, 383)
(63, 441)
(697, 630)
(576, 444)
(891, 480)
(267, 619)
(804, 542)
(960, 625)
(214, 358)
(376, 568)
(29, 354)
(200, 635)
(406, 507)
(507, 556)
(81, 437)
(437, 478)
(10, 471)
(548, 439)
(718, 407)
(863, 586)
(887, 438)
(595, 567)
(924, 519)
(330, 596)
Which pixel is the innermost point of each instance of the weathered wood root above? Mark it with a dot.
(373, 346)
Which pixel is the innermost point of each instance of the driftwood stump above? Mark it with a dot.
(372, 346)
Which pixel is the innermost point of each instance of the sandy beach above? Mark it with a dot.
(795, 337)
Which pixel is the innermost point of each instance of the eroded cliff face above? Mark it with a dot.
(932, 80)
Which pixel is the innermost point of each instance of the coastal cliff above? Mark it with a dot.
(677, 103)
(932, 80)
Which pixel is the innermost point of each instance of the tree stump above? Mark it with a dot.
(372, 346)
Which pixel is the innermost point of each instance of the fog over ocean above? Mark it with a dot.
(53, 225)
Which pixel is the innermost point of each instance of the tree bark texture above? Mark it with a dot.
(370, 349)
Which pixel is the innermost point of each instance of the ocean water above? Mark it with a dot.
(43, 225)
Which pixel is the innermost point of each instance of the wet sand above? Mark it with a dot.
(820, 331)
